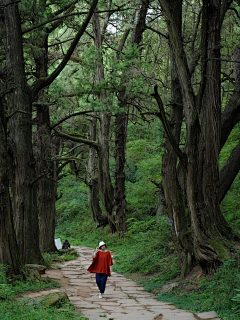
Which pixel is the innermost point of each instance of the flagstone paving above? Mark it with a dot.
(123, 298)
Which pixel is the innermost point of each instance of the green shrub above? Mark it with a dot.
(236, 298)
(26, 309)
(213, 293)
(62, 255)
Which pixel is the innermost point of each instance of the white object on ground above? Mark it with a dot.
(58, 243)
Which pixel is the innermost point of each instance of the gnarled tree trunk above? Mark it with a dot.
(9, 254)
(23, 183)
(105, 184)
(173, 173)
(200, 228)
(43, 156)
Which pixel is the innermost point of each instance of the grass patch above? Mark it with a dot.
(147, 254)
(9, 290)
(60, 256)
(22, 310)
(215, 292)
(26, 309)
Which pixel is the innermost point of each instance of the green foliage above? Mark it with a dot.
(143, 154)
(147, 253)
(27, 309)
(30, 310)
(236, 298)
(74, 200)
(230, 205)
(216, 292)
(9, 289)
(74, 220)
(61, 256)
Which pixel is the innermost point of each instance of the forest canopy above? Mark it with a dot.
(138, 100)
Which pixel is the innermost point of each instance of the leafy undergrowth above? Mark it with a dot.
(216, 292)
(12, 307)
(22, 310)
(60, 256)
(147, 254)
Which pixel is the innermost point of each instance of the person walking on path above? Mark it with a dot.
(102, 266)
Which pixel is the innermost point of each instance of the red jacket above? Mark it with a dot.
(101, 263)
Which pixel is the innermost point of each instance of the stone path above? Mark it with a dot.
(123, 298)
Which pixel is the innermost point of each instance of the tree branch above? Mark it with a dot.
(57, 23)
(69, 116)
(231, 114)
(106, 20)
(235, 10)
(158, 32)
(16, 111)
(41, 83)
(180, 57)
(59, 169)
(91, 143)
(196, 29)
(65, 8)
(60, 42)
(224, 7)
(54, 19)
(58, 158)
(230, 117)
(162, 117)
(6, 3)
(229, 172)
(66, 16)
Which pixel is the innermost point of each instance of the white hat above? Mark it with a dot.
(101, 243)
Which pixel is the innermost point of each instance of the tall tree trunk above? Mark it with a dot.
(121, 128)
(100, 219)
(105, 184)
(44, 163)
(229, 118)
(119, 188)
(9, 254)
(206, 239)
(174, 180)
(203, 137)
(19, 105)
(46, 184)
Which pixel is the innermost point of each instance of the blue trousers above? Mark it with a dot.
(101, 280)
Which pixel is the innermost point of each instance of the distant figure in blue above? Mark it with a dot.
(66, 244)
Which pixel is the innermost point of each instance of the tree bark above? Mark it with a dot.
(229, 172)
(121, 127)
(43, 155)
(119, 188)
(206, 229)
(20, 142)
(173, 174)
(105, 184)
(9, 254)
(231, 114)
(100, 219)
(46, 183)
(203, 137)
